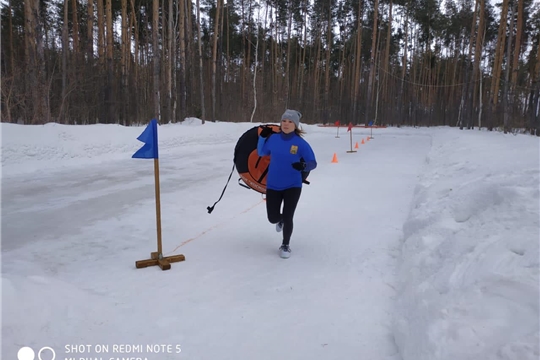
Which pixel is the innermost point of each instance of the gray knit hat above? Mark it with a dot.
(292, 115)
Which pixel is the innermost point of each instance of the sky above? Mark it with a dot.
(421, 245)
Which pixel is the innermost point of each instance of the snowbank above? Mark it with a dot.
(470, 258)
(29, 148)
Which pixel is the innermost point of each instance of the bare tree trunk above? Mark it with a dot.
(7, 90)
(90, 31)
(535, 95)
(288, 64)
(499, 53)
(125, 53)
(326, 109)
(109, 92)
(191, 54)
(274, 62)
(316, 75)
(228, 46)
(358, 61)
(174, 61)
(135, 44)
(39, 89)
(466, 97)
(30, 56)
(344, 68)
(386, 61)
(101, 68)
(43, 88)
(168, 62)
(506, 94)
(247, 61)
(480, 105)
(199, 43)
(303, 56)
(414, 97)
(156, 59)
(214, 57)
(372, 61)
(65, 51)
(75, 21)
(405, 64)
(243, 65)
(11, 48)
(478, 50)
(255, 77)
(517, 47)
(183, 59)
(101, 32)
(125, 48)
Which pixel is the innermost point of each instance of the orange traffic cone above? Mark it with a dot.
(363, 142)
(334, 159)
(356, 145)
(367, 139)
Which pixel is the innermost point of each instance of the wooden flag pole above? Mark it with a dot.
(337, 134)
(156, 258)
(351, 151)
(158, 208)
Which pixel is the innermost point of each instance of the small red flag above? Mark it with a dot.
(350, 126)
(336, 123)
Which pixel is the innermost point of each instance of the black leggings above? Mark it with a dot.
(289, 198)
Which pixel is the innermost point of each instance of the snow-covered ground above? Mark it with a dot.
(423, 245)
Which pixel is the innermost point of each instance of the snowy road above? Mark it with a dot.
(71, 238)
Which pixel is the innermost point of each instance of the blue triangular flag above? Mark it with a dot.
(150, 139)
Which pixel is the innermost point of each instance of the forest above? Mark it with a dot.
(461, 63)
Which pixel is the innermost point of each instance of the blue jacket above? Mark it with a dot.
(285, 149)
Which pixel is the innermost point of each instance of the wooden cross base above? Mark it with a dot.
(351, 151)
(164, 263)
